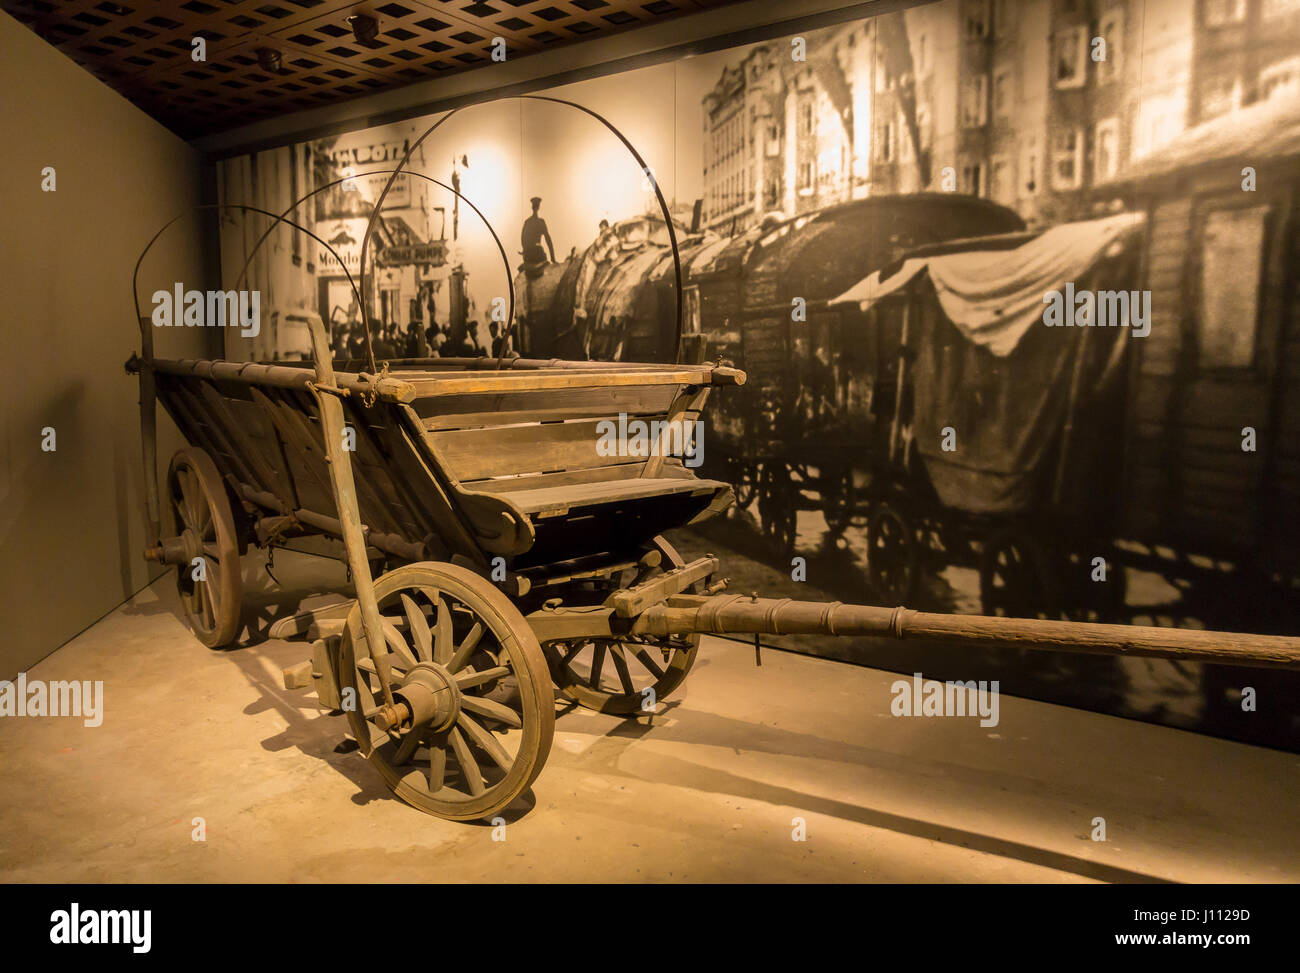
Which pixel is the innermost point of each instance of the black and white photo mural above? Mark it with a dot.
(1014, 283)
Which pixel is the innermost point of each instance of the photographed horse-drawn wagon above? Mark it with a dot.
(1159, 435)
(807, 432)
(992, 428)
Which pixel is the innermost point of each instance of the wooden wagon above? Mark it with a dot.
(525, 557)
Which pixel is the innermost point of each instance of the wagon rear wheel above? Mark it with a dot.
(208, 580)
(893, 555)
(1018, 577)
(778, 506)
(625, 676)
(744, 481)
(467, 668)
(840, 499)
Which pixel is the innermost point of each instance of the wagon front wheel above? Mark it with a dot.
(474, 711)
(630, 675)
(203, 529)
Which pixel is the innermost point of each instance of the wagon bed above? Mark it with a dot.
(455, 457)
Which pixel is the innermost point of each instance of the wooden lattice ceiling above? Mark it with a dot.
(143, 48)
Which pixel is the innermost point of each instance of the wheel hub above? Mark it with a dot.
(431, 694)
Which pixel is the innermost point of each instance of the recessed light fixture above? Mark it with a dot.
(269, 59)
(365, 29)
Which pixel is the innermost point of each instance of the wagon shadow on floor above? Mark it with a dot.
(709, 730)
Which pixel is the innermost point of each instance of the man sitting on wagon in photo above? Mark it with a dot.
(534, 232)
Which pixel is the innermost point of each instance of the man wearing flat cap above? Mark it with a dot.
(534, 233)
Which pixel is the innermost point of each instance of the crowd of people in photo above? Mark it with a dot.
(417, 338)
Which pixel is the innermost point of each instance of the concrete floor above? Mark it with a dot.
(705, 791)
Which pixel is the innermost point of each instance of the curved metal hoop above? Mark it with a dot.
(148, 396)
(283, 217)
(147, 343)
(401, 167)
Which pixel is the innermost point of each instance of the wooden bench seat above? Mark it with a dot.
(552, 458)
(553, 501)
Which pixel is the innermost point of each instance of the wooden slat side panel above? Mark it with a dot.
(508, 485)
(477, 454)
(506, 381)
(462, 411)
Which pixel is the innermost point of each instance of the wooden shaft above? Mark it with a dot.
(345, 502)
(745, 614)
(388, 543)
(286, 376)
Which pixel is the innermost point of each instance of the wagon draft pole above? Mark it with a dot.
(528, 562)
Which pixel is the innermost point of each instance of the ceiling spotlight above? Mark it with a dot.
(365, 29)
(269, 59)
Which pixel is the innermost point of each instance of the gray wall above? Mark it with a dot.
(71, 521)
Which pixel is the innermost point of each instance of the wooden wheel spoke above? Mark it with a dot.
(643, 656)
(400, 648)
(211, 595)
(492, 709)
(194, 500)
(181, 498)
(468, 765)
(484, 740)
(620, 666)
(443, 644)
(408, 746)
(472, 679)
(418, 626)
(206, 527)
(197, 604)
(443, 641)
(437, 766)
(396, 663)
(212, 551)
(570, 651)
(597, 664)
(466, 648)
(181, 511)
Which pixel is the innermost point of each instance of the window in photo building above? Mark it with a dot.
(1067, 158)
(1070, 57)
(1231, 258)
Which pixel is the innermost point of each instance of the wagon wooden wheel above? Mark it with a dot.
(625, 676)
(744, 481)
(1018, 578)
(778, 507)
(1084, 600)
(473, 712)
(840, 499)
(205, 546)
(893, 556)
